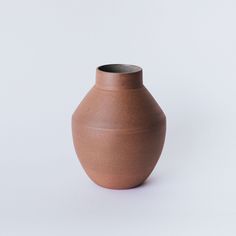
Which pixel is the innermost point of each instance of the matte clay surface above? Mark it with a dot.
(118, 128)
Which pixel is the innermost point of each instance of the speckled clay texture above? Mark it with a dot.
(118, 128)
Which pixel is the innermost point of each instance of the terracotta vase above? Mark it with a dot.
(118, 128)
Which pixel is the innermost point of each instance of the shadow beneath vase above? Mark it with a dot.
(150, 182)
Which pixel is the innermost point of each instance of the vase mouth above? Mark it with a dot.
(119, 76)
(119, 68)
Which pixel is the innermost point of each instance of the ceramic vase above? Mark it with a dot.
(118, 128)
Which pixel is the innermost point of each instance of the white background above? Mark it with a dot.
(49, 51)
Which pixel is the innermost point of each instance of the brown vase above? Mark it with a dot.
(118, 129)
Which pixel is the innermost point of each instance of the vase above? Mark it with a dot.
(118, 129)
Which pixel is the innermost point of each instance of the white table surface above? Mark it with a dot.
(48, 54)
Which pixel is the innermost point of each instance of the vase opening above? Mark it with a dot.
(119, 76)
(119, 68)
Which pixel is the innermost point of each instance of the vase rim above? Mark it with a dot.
(119, 76)
(119, 68)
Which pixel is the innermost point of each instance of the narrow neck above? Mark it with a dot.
(119, 76)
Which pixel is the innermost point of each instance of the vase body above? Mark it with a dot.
(118, 128)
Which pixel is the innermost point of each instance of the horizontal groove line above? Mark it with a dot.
(111, 89)
(122, 130)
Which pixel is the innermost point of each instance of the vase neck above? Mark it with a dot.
(119, 76)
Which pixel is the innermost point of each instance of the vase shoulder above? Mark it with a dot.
(129, 109)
